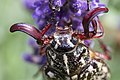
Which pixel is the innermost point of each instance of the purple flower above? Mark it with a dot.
(95, 4)
(57, 12)
(35, 57)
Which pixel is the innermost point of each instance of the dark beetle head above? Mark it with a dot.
(63, 40)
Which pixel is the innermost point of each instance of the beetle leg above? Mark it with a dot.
(43, 49)
(90, 17)
(94, 33)
(45, 29)
(53, 74)
(104, 55)
(38, 72)
(45, 44)
(30, 30)
(101, 32)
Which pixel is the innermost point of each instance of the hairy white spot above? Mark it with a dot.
(52, 63)
(74, 77)
(99, 64)
(56, 46)
(90, 68)
(50, 74)
(76, 55)
(105, 69)
(82, 60)
(54, 56)
(66, 61)
(70, 43)
(84, 48)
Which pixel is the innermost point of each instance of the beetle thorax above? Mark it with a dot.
(63, 39)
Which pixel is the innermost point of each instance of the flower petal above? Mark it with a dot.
(35, 59)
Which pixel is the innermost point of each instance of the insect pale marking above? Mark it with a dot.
(66, 61)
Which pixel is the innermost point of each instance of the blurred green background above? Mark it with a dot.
(12, 46)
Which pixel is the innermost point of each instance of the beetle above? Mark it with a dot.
(68, 58)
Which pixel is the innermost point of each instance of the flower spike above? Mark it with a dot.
(89, 16)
